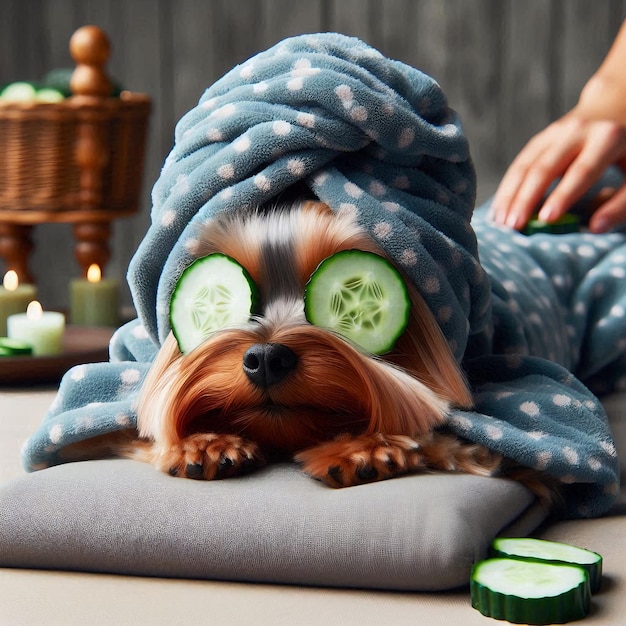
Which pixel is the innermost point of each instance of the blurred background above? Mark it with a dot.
(509, 67)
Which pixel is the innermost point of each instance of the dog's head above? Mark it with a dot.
(277, 379)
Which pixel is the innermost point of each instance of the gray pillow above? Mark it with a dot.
(419, 532)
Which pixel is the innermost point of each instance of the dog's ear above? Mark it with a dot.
(424, 352)
(150, 403)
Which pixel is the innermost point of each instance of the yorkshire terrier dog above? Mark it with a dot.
(279, 387)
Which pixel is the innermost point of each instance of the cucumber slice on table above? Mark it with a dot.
(14, 347)
(360, 296)
(214, 292)
(529, 592)
(531, 549)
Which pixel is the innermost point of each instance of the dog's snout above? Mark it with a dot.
(266, 364)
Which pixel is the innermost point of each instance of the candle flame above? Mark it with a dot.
(11, 281)
(93, 273)
(34, 310)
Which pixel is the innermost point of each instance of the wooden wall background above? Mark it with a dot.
(508, 66)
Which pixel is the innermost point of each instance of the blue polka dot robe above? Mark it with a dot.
(528, 318)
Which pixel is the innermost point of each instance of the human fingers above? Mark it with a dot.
(515, 175)
(610, 214)
(604, 143)
(560, 147)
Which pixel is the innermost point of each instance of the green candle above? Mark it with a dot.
(14, 298)
(94, 302)
(43, 331)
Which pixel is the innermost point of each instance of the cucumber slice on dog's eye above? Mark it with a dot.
(360, 296)
(531, 549)
(527, 592)
(213, 293)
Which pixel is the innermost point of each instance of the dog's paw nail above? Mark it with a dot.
(367, 472)
(225, 465)
(195, 471)
(334, 471)
(173, 471)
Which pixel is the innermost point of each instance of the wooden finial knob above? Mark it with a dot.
(90, 49)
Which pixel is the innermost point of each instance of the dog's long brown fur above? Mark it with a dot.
(347, 417)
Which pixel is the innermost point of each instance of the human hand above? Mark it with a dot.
(575, 147)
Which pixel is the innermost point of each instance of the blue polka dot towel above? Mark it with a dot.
(374, 136)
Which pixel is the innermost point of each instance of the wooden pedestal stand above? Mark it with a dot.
(78, 161)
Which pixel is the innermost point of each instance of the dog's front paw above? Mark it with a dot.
(208, 456)
(352, 460)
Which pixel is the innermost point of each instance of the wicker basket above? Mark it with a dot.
(83, 154)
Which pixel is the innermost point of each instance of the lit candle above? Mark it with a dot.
(14, 298)
(94, 302)
(43, 331)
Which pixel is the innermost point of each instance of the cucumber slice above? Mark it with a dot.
(19, 92)
(552, 552)
(214, 292)
(567, 223)
(527, 592)
(49, 95)
(59, 79)
(360, 296)
(14, 347)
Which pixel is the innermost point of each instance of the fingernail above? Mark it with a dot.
(547, 213)
(511, 221)
(599, 225)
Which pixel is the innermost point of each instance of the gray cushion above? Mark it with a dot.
(420, 532)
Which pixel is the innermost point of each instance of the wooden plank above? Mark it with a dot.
(357, 18)
(25, 57)
(61, 19)
(209, 38)
(528, 73)
(236, 33)
(588, 32)
(192, 53)
(11, 67)
(473, 77)
(416, 33)
(285, 18)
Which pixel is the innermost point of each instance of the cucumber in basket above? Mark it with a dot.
(361, 296)
(214, 292)
(530, 592)
(551, 552)
(19, 91)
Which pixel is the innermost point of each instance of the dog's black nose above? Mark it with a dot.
(266, 364)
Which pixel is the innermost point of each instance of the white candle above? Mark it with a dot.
(14, 298)
(42, 330)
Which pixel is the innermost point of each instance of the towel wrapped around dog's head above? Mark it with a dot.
(364, 132)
